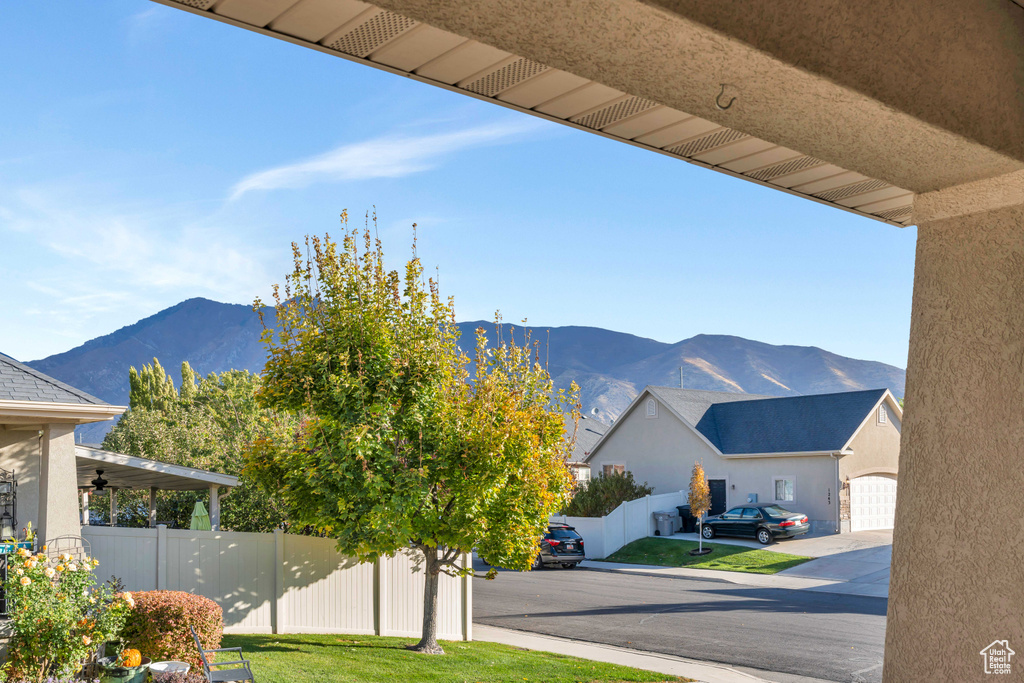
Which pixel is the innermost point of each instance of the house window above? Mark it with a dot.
(582, 475)
(609, 470)
(652, 408)
(883, 417)
(785, 489)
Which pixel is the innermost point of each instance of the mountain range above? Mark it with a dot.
(610, 367)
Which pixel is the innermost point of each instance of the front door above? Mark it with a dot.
(717, 487)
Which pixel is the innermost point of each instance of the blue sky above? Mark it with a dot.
(148, 156)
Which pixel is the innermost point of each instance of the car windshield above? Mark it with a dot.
(559, 532)
(776, 511)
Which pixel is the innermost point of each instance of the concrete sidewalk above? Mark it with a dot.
(876, 588)
(706, 672)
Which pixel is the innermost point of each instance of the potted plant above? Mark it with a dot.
(127, 667)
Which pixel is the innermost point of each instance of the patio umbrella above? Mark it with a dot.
(200, 518)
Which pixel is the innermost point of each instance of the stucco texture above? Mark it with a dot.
(958, 550)
(58, 495)
(901, 129)
(20, 452)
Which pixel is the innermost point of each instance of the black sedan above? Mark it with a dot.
(763, 522)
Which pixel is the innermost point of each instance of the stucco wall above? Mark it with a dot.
(662, 450)
(58, 498)
(876, 448)
(21, 452)
(956, 587)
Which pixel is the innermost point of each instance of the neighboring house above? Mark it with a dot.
(588, 432)
(38, 415)
(834, 457)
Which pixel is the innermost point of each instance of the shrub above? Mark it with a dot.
(604, 493)
(159, 625)
(59, 614)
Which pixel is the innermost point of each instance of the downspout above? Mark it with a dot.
(835, 456)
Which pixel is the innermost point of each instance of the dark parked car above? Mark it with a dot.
(763, 522)
(560, 545)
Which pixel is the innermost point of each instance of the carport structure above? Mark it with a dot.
(128, 472)
(908, 113)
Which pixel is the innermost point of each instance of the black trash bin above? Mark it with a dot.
(689, 522)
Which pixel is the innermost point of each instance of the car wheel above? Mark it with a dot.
(764, 537)
(537, 563)
(568, 565)
(707, 531)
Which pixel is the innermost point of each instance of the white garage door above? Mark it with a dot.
(872, 502)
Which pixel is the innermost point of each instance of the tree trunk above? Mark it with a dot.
(432, 573)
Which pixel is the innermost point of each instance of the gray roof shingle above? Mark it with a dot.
(745, 423)
(588, 433)
(18, 382)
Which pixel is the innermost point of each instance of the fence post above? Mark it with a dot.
(650, 523)
(467, 598)
(277, 607)
(380, 595)
(161, 557)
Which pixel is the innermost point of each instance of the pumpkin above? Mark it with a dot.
(130, 658)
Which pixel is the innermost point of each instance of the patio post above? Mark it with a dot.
(85, 507)
(113, 507)
(152, 507)
(214, 508)
(956, 581)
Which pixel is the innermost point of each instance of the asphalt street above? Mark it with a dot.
(803, 633)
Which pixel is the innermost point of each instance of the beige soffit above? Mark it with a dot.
(130, 472)
(367, 34)
(41, 411)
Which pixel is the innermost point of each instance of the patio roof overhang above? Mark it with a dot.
(132, 472)
(651, 74)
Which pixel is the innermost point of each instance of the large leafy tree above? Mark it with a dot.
(206, 423)
(401, 446)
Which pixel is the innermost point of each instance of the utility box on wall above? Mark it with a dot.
(751, 497)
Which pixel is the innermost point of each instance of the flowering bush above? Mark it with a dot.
(159, 625)
(59, 614)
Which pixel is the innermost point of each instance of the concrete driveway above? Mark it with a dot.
(861, 557)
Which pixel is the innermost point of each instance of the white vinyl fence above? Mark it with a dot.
(280, 583)
(629, 522)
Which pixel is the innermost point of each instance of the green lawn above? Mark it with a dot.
(315, 658)
(733, 558)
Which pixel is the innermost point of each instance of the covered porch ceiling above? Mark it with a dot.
(396, 43)
(131, 472)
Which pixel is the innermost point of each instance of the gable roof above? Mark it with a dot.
(693, 404)
(790, 424)
(755, 425)
(19, 382)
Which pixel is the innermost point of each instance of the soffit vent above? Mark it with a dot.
(198, 4)
(899, 215)
(703, 144)
(850, 190)
(614, 113)
(372, 34)
(504, 78)
(785, 168)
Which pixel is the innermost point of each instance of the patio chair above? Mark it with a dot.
(240, 673)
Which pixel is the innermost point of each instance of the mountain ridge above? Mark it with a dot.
(610, 367)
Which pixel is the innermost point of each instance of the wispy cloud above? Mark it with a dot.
(391, 156)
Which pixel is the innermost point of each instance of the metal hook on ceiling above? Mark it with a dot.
(718, 100)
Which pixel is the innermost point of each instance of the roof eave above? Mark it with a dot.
(41, 411)
(786, 454)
